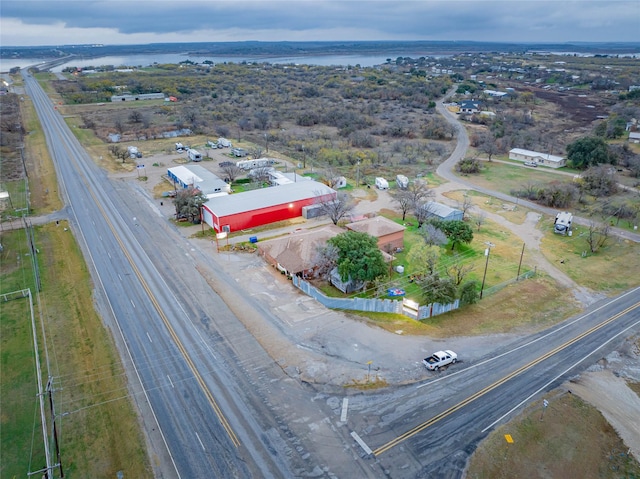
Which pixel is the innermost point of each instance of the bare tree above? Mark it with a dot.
(458, 270)
(488, 145)
(118, 124)
(262, 119)
(338, 208)
(118, 152)
(256, 151)
(432, 235)
(597, 235)
(326, 259)
(260, 175)
(330, 176)
(419, 192)
(424, 211)
(480, 219)
(135, 116)
(231, 172)
(465, 205)
(404, 200)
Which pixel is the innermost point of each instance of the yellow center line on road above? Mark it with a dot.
(482, 392)
(174, 336)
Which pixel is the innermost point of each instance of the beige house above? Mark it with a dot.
(389, 233)
(543, 159)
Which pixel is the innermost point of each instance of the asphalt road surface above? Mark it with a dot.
(215, 404)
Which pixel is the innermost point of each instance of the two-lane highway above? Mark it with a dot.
(432, 429)
(180, 376)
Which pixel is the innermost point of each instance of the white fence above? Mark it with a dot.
(374, 305)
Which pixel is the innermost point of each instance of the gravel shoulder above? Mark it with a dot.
(605, 386)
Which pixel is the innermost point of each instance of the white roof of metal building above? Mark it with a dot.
(438, 209)
(200, 178)
(266, 197)
(536, 154)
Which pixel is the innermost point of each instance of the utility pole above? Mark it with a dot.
(520, 264)
(486, 264)
(53, 426)
(43, 416)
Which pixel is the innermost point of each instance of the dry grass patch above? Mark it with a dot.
(43, 186)
(510, 211)
(100, 435)
(612, 269)
(572, 439)
(501, 312)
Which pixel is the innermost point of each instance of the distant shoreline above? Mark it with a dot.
(279, 49)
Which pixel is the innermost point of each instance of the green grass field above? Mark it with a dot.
(99, 431)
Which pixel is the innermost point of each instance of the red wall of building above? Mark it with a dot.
(260, 216)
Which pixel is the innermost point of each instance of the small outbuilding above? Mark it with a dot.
(442, 212)
(634, 137)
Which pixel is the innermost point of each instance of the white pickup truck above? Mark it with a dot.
(440, 359)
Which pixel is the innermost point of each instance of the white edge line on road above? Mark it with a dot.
(558, 376)
(345, 405)
(202, 445)
(529, 343)
(359, 440)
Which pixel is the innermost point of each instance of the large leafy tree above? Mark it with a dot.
(358, 256)
(589, 151)
(188, 202)
(438, 290)
(457, 231)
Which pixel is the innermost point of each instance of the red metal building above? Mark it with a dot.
(246, 210)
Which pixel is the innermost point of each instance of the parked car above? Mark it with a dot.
(440, 359)
(530, 163)
(223, 164)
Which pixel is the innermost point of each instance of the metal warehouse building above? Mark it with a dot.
(260, 207)
(200, 178)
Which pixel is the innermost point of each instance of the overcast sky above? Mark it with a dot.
(51, 22)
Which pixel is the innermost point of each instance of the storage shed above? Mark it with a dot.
(263, 206)
(442, 212)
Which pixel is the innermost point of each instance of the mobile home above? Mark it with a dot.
(562, 223)
(382, 184)
(194, 155)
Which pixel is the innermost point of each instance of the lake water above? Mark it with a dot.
(146, 60)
